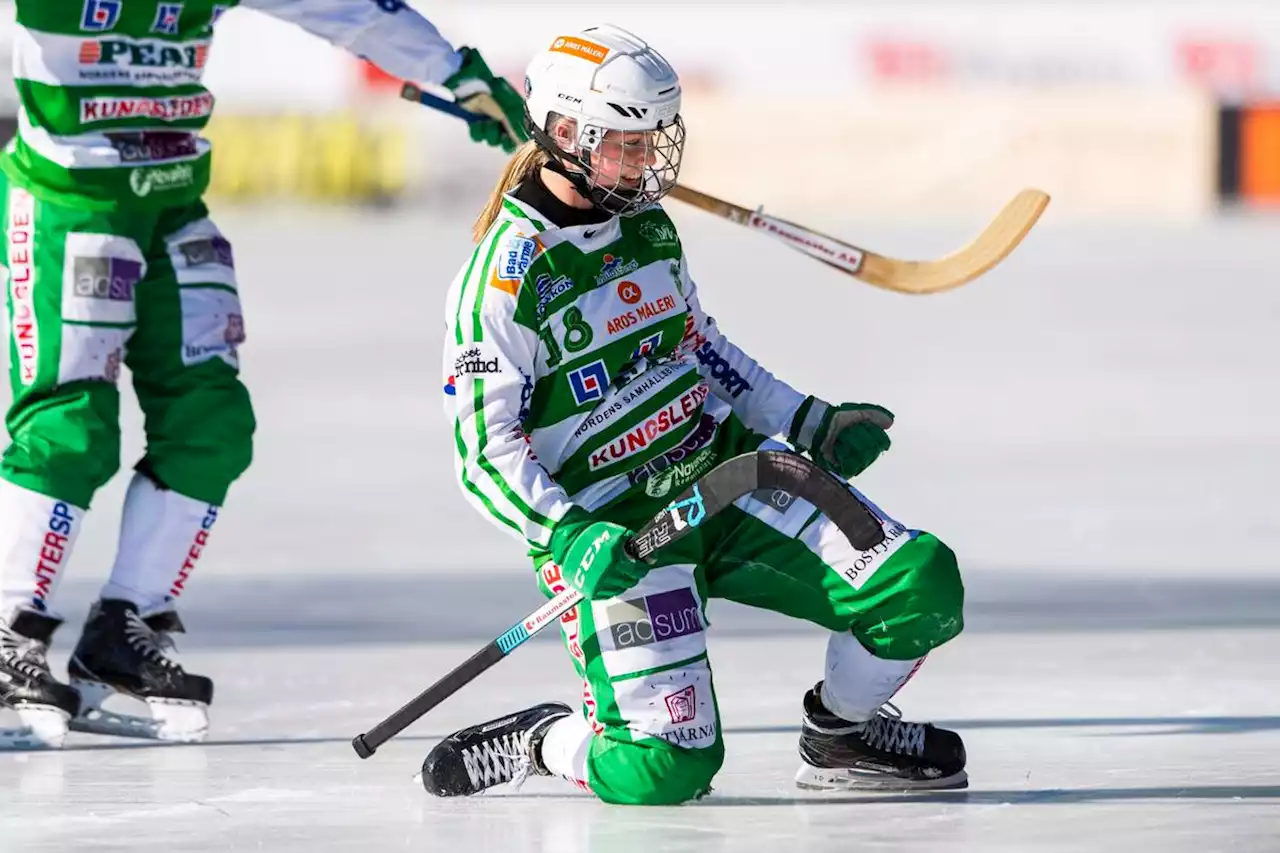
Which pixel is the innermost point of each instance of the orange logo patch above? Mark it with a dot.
(587, 50)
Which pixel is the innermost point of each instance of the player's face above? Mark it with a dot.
(623, 156)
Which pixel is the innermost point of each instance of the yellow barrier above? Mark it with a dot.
(334, 158)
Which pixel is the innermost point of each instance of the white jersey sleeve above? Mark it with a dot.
(390, 33)
(489, 361)
(764, 403)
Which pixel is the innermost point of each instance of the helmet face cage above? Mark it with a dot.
(626, 172)
(632, 171)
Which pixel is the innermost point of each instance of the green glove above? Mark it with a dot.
(591, 554)
(476, 89)
(845, 439)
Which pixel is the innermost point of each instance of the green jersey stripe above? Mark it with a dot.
(473, 488)
(533, 516)
(477, 329)
(466, 282)
(462, 294)
(518, 213)
(98, 324)
(666, 667)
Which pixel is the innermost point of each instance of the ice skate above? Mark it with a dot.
(883, 754)
(43, 704)
(122, 652)
(505, 750)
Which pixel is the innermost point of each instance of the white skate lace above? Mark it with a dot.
(24, 654)
(502, 759)
(886, 731)
(151, 644)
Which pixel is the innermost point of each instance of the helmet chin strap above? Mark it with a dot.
(576, 177)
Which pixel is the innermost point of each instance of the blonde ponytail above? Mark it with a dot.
(523, 163)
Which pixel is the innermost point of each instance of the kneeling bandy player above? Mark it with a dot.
(587, 387)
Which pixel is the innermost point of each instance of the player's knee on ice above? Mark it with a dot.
(652, 772)
(920, 607)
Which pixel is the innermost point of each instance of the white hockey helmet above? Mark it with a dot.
(606, 79)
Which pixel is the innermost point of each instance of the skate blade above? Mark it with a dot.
(848, 779)
(43, 727)
(171, 720)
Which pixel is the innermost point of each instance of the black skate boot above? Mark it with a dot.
(883, 754)
(122, 652)
(43, 703)
(507, 749)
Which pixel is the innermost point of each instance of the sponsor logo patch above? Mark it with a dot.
(207, 250)
(105, 278)
(697, 439)
(614, 267)
(99, 15)
(24, 333)
(473, 362)
(682, 706)
(660, 234)
(653, 619)
(580, 48)
(512, 263)
(589, 382)
(166, 22)
(176, 108)
(149, 146)
(648, 346)
(645, 311)
(549, 289)
(144, 181)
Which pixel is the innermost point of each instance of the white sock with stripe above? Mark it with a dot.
(37, 534)
(565, 748)
(857, 682)
(162, 536)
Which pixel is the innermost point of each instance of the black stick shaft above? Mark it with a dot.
(723, 485)
(367, 744)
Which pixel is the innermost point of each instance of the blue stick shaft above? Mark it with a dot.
(411, 92)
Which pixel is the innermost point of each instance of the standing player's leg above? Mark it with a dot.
(71, 275)
(199, 425)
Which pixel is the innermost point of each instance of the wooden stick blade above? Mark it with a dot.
(991, 247)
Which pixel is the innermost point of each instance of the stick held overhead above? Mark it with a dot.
(991, 247)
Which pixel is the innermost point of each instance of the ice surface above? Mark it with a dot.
(1158, 740)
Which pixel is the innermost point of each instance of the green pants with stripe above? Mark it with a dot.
(647, 683)
(88, 290)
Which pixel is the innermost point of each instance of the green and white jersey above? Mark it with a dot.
(110, 91)
(579, 368)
